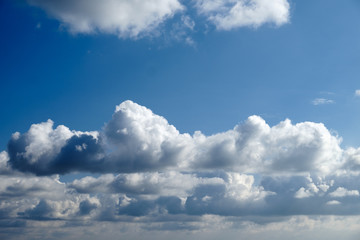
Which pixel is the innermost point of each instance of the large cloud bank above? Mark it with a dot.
(148, 173)
(137, 140)
(136, 18)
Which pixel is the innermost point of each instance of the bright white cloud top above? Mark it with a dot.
(133, 19)
(136, 139)
(149, 172)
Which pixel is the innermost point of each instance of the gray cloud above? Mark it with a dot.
(5, 168)
(234, 195)
(42, 211)
(85, 207)
(45, 151)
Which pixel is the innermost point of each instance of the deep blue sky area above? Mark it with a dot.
(275, 72)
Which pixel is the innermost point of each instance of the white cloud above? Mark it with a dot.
(357, 92)
(352, 159)
(4, 166)
(302, 193)
(121, 17)
(134, 19)
(44, 141)
(136, 139)
(238, 187)
(165, 183)
(305, 193)
(333, 202)
(38, 198)
(321, 101)
(230, 14)
(42, 146)
(313, 189)
(343, 192)
(253, 173)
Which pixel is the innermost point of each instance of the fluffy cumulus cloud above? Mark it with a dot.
(45, 150)
(137, 140)
(134, 19)
(141, 173)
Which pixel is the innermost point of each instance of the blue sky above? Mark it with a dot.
(271, 71)
(201, 70)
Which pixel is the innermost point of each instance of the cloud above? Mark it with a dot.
(135, 19)
(333, 202)
(150, 173)
(352, 159)
(141, 140)
(4, 166)
(44, 150)
(137, 140)
(302, 193)
(230, 14)
(343, 192)
(119, 17)
(321, 101)
(166, 183)
(179, 192)
(357, 92)
(170, 197)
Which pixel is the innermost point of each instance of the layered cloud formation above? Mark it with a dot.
(133, 19)
(147, 171)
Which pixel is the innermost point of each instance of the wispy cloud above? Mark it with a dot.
(322, 101)
(357, 92)
(227, 15)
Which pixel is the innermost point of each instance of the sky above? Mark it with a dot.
(198, 119)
